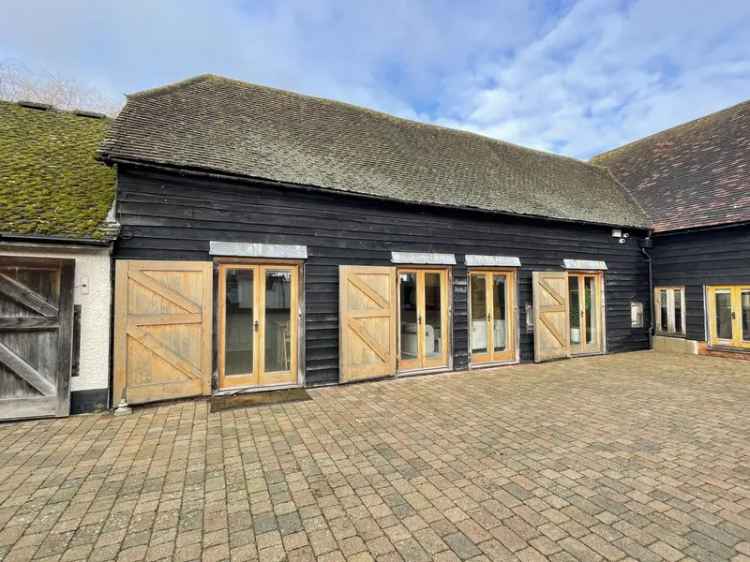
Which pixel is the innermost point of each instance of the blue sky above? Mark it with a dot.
(573, 77)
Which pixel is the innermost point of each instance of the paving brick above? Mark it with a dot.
(450, 476)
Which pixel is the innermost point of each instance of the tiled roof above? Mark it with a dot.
(50, 181)
(222, 125)
(694, 175)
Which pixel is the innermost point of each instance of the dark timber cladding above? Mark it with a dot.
(169, 216)
(699, 258)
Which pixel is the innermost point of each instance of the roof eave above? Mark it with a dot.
(82, 241)
(111, 159)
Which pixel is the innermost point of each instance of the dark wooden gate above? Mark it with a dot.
(36, 320)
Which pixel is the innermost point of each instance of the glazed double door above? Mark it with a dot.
(584, 297)
(423, 318)
(492, 331)
(258, 318)
(729, 315)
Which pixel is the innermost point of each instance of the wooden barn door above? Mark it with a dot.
(162, 330)
(551, 334)
(367, 302)
(36, 317)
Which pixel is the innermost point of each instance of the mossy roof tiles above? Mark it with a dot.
(51, 184)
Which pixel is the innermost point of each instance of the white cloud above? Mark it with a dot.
(608, 74)
(587, 76)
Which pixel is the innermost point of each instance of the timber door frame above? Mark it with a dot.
(512, 354)
(420, 364)
(581, 349)
(251, 381)
(54, 399)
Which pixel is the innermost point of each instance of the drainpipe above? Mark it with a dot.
(646, 244)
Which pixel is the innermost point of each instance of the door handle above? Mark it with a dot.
(488, 317)
(734, 316)
(255, 325)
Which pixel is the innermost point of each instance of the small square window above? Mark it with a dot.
(636, 315)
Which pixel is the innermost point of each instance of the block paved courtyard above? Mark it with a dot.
(639, 456)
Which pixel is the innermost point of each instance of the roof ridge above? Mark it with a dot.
(167, 88)
(452, 130)
(606, 154)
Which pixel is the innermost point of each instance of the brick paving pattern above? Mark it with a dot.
(639, 456)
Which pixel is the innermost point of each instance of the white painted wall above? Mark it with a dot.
(93, 291)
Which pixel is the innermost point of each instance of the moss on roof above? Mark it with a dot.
(50, 181)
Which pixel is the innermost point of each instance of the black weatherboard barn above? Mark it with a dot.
(271, 239)
(694, 183)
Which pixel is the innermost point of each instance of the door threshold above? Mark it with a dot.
(473, 367)
(255, 388)
(587, 354)
(430, 371)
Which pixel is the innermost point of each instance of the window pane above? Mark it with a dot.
(499, 312)
(664, 311)
(238, 333)
(678, 311)
(278, 321)
(636, 315)
(589, 307)
(478, 314)
(433, 307)
(575, 310)
(408, 299)
(724, 316)
(746, 315)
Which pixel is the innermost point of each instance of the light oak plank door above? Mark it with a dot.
(36, 334)
(162, 330)
(551, 334)
(367, 317)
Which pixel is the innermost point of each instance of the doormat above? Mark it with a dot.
(253, 399)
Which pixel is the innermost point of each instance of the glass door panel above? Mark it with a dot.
(479, 315)
(278, 326)
(238, 351)
(589, 310)
(433, 315)
(408, 318)
(423, 309)
(278, 314)
(237, 317)
(723, 307)
(575, 310)
(499, 316)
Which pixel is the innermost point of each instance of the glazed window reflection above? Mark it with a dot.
(278, 316)
(409, 330)
(238, 332)
(433, 308)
